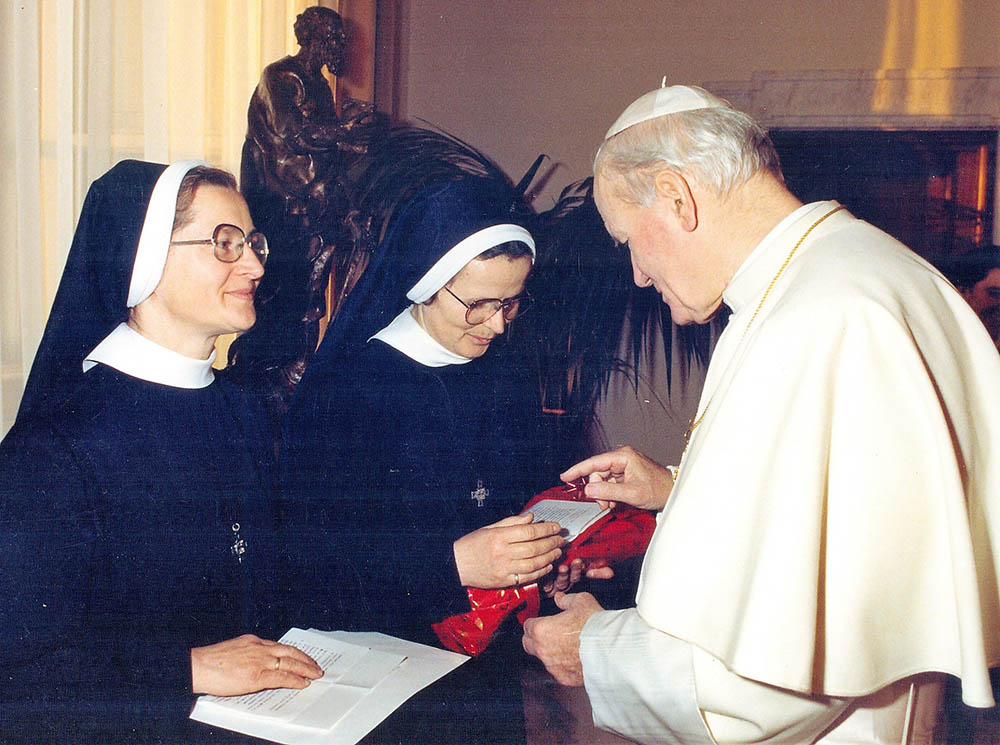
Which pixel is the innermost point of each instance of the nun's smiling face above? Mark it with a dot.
(443, 316)
(199, 297)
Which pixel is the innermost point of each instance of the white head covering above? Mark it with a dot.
(154, 240)
(405, 334)
(665, 100)
(462, 253)
(126, 350)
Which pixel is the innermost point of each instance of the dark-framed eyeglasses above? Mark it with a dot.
(228, 242)
(483, 310)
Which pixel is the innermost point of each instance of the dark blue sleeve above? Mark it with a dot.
(373, 541)
(74, 669)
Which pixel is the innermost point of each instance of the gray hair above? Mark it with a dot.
(720, 148)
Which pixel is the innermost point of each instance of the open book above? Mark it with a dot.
(574, 517)
(367, 676)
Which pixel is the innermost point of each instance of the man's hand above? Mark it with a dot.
(567, 575)
(555, 640)
(623, 475)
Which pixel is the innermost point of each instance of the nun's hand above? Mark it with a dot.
(248, 664)
(512, 551)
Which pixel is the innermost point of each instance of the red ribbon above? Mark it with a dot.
(621, 534)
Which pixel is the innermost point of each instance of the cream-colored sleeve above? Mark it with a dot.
(640, 682)
(654, 688)
(739, 710)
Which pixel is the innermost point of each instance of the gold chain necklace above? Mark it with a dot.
(697, 419)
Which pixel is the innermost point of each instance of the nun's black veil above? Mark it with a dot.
(426, 229)
(92, 296)
(366, 516)
(434, 221)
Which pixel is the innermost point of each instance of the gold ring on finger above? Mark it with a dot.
(277, 663)
(517, 578)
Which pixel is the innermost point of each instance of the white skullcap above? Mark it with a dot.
(462, 253)
(665, 100)
(154, 240)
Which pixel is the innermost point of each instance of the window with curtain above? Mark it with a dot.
(91, 82)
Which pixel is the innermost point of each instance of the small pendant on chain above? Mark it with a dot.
(239, 546)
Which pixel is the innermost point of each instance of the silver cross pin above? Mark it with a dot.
(479, 493)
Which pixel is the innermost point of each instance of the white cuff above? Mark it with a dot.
(640, 681)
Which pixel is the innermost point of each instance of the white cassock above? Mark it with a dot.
(834, 531)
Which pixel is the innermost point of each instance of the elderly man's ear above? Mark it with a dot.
(673, 189)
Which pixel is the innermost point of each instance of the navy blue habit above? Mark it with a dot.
(135, 517)
(390, 461)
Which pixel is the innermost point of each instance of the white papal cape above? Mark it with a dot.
(835, 526)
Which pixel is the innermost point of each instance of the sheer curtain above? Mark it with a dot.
(90, 82)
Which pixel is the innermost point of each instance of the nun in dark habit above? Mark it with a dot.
(412, 445)
(135, 489)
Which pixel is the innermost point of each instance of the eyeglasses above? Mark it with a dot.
(228, 242)
(483, 310)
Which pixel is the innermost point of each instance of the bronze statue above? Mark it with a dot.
(298, 150)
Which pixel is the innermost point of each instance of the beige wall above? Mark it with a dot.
(521, 77)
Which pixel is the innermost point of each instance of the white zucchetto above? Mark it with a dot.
(665, 100)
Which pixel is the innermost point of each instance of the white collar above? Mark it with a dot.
(410, 338)
(128, 351)
(760, 265)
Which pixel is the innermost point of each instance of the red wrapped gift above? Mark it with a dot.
(612, 536)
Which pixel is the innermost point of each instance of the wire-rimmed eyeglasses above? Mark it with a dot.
(483, 310)
(228, 242)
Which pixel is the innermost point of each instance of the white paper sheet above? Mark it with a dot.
(325, 700)
(347, 709)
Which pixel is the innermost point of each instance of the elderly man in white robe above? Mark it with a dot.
(826, 550)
